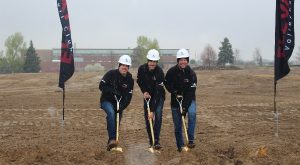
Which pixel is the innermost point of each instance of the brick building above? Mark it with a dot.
(108, 58)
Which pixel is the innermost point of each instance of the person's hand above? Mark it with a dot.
(147, 95)
(117, 111)
(177, 94)
(150, 116)
(184, 111)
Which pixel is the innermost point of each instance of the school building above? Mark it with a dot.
(108, 58)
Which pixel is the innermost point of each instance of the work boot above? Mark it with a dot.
(191, 145)
(157, 146)
(111, 144)
(180, 149)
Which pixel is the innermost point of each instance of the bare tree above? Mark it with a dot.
(209, 56)
(236, 56)
(257, 58)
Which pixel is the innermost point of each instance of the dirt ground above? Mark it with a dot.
(235, 122)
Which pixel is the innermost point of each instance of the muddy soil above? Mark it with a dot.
(235, 122)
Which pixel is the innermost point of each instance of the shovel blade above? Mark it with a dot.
(152, 150)
(119, 149)
(185, 148)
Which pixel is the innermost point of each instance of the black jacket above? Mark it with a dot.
(181, 81)
(153, 83)
(113, 83)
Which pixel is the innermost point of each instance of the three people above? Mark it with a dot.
(116, 84)
(181, 82)
(150, 78)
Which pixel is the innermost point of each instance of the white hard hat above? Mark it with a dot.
(182, 53)
(153, 55)
(125, 60)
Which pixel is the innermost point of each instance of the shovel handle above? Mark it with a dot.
(179, 100)
(150, 120)
(117, 118)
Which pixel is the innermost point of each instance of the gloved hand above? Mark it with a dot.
(184, 111)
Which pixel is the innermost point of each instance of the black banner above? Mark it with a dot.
(66, 58)
(284, 37)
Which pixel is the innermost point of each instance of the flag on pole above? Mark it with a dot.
(284, 37)
(66, 58)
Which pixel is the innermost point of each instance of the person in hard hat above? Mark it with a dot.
(181, 80)
(119, 83)
(150, 78)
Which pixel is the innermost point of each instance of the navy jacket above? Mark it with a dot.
(153, 83)
(113, 83)
(181, 81)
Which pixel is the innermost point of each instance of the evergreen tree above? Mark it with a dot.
(32, 61)
(226, 54)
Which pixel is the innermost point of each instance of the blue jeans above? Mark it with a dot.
(110, 119)
(157, 122)
(191, 114)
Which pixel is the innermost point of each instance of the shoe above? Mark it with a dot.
(179, 149)
(191, 145)
(157, 146)
(111, 144)
(182, 149)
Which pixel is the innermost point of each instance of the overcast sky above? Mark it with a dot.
(192, 24)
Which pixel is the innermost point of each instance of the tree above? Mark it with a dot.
(209, 56)
(153, 44)
(236, 56)
(143, 45)
(15, 49)
(192, 62)
(32, 61)
(257, 58)
(226, 54)
(139, 56)
(3, 63)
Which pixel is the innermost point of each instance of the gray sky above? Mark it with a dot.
(192, 24)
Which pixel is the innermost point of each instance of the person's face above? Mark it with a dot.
(152, 64)
(182, 63)
(123, 69)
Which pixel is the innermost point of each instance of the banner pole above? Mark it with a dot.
(63, 104)
(63, 117)
(276, 114)
(67, 57)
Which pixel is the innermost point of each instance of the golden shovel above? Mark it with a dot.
(151, 149)
(179, 99)
(117, 126)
